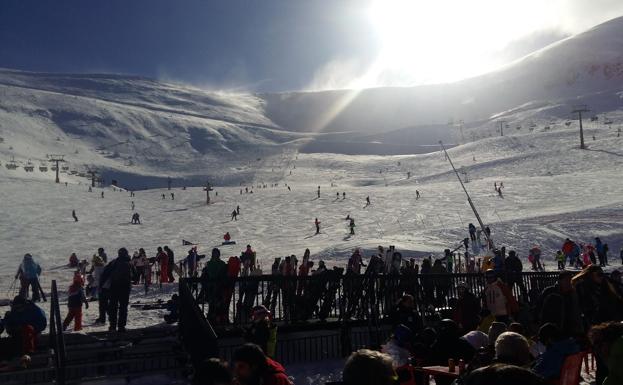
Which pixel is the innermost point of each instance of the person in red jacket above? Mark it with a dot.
(163, 259)
(227, 237)
(251, 366)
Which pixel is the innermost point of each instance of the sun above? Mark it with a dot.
(446, 40)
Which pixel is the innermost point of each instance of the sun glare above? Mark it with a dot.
(446, 40)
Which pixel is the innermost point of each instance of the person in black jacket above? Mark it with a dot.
(119, 272)
(513, 268)
(404, 313)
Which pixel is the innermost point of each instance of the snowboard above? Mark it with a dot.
(228, 243)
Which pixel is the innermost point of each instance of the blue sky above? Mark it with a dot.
(277, 45)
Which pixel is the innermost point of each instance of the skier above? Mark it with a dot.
(472, 232)
(102, 195)
(238, 210)
(344, 195)
(28, 275)
(289, 189)
(500, 192)
(172, 196)
(132, 205)
(495, 186)
(23, 323)
(318, 191)
(136, 219)
(164, 197)
(337, 196)
(367, 202)
(75, 299)
(90, 189)
(234, 215)
(417, 194)
(317, 223)
(351, 226)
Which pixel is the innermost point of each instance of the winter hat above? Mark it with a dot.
(78, 279)
(495, 330)
(477, 339)
(216, 253)
(259, 312)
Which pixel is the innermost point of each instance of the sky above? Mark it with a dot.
(287, 45)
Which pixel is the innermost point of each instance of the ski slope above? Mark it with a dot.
(552, 190)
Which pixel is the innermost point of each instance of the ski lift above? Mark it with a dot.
(64, 168)
(607, 121)
(29, 167)
(11, 165)
(594, 118)
(546, 128)
(43, 167)
(73, 172)
(568, 123)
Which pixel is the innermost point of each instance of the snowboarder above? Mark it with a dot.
(73, 260)
(317, 223)
(227, 237)
(234, 215)
(136, 219)
(73, 215)
(75, 299)
(351, 226)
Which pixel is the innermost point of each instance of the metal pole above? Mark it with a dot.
(469, 199)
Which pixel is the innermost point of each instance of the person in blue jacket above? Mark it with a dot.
(550, 363)
(23, 323)
(28, 275)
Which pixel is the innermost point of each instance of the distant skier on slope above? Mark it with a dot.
(73, 215)
(317, 223)
(234, 215)
(367, 202)
(351, 226)
(318, 191)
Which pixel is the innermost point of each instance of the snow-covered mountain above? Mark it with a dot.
(138, 131)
